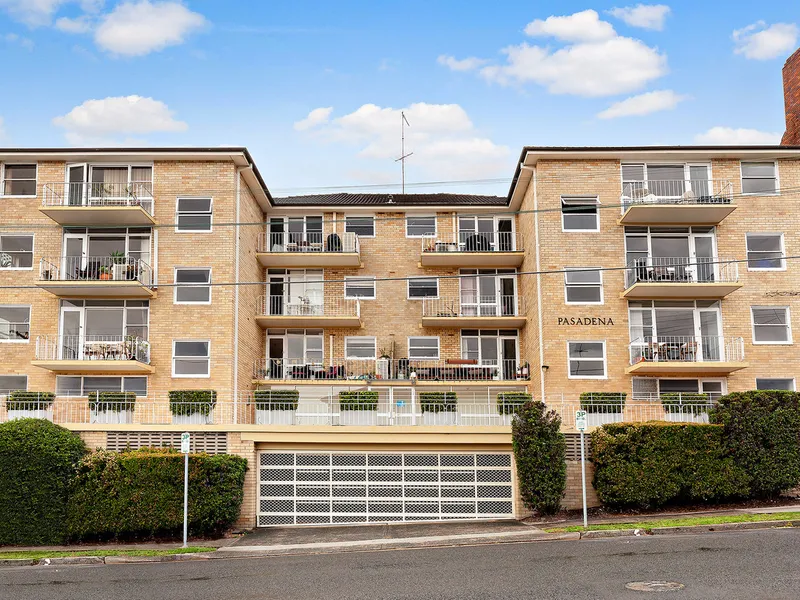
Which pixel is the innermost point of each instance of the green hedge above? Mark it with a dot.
(190, 402)
(540, 453)
(358, 400)
(436, 402)
(276, 399)
(762, 434)
(112, 401)
(603, 402)
(37, 461)
(647, 465)
(509, 403)
(685, 403)
(20, 400)
(139, 494)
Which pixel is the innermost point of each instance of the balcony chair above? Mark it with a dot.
(477, 243)
(333, 243)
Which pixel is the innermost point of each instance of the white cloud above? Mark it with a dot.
(643, 104)
(724, 136)
(114, 116)
(465, 64)
(138, 28)
(80, 24)
(13, 38)
(36, 13)
(316, 117)
(584, 26)
(646, 16)
(761, 42)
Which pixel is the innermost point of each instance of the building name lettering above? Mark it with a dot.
(585, 321)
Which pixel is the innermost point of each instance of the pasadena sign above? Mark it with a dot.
(585, 321)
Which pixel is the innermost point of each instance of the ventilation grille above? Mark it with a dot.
(574, 446)
(209, 442)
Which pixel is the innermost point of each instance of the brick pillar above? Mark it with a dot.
(791, 100)
(246, 449)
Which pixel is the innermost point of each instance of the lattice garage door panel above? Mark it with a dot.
(302, 488)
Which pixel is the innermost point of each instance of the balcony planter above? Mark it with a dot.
(192, 407)
(438, 408)
(112, 407)
(30, 405)
(358, 408)
(276, 407)
(509, 403)
(686, 407)
(603, 407)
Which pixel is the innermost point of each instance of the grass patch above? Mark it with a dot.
(682, 522)
(38, 554)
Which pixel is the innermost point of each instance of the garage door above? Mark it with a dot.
(302, 488)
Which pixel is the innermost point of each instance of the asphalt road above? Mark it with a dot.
(748, 565)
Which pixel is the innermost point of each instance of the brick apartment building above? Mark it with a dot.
(653, 271)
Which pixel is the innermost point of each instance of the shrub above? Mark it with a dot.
(685, 403)
(762, 434)
(540, 453)
(509, 403)
(364, 400)
(276, 399)
(646, 465)
(20, 400)
(436, 402)
(37, 460)
(112, 401)
(139, 493)
(189, 402)
(603, 402)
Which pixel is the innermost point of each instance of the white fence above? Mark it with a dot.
(87, 194)
(310, 241)
(670, 191)
(471, 241)
(92, 347)
(95, 268)
(680, 348)
(308, 306)
(474, 306)
(681, 269)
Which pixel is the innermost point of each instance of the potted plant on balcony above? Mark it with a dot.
(687, 407)
(119, 268)
(358, 408)
(30, 405)
(509, 403)
(276, 407)
(105, 274)
(192, 407)
(112, 407)
(603, 407)
(438, 408)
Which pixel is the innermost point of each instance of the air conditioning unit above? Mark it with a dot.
(119, 272)
(348, 242)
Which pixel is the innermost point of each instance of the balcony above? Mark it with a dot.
(87, 204)
(96, 277)
(312, 250)
(474, 312)
(686, 355)
(680, 278)
(470, 249)
(93, 354)
(676, 202)
(307, 312)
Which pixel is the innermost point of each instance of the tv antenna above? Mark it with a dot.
(403, 155)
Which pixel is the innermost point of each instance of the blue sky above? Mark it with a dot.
(478, 80)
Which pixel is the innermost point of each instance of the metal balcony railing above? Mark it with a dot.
(308, 242)
(95, 268)
(92, 347)
(99, 194)
(682, 269)
(474, 306)
(470, 241)
(690, 191)
(294, 306)
(686, 349)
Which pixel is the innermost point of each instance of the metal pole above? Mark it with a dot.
(186, 498)
(583, 484)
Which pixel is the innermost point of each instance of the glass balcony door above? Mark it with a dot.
(488, 295)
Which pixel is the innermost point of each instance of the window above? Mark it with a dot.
(587, 360)
(193, 214)
(16, 251)
(75, 385)
(423, 287)
(361, 347)
(423, 348)
(580, 214)
(19, 180)
(13, 383)
(775, 384)
(191, 358)
(765, 251)
(362, 226)
(771, 325)
(359, 288)
(583, 287)
(759, 178)
(15, 323)
(420, 227)
(197, 289)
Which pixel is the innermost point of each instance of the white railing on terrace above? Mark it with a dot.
(470, 241)
(633, 412)
(665, 191)
(308, 242)
(474, 306)
(293, 306)
(95, 268)
(99, 194)
(686, 349)
(92, 347)
(682, 269)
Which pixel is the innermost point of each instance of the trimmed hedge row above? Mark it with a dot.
(21, 400)
(603, 402)
(112, 401)
(276, 399)
(509, 403)
(365, 400)
(190, 402)
(436, 402)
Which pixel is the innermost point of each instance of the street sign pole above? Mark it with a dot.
(185, 438)
(580, 425)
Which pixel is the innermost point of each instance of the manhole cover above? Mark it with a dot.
(654, 586)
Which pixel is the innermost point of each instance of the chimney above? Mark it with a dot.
(791, 99)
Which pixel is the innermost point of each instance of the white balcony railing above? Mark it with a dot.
(308, 242)
(690, 191)
(474, 306)
(95, 268)
(92, 347)
(470, 241)
(307, 306)
(682, 269)
(99, 194)
(686, 349)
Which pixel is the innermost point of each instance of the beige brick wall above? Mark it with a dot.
(246, 449)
